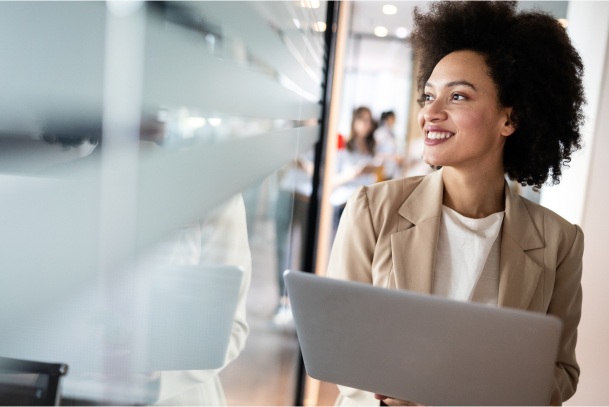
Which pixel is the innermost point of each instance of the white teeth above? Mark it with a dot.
(435, 135)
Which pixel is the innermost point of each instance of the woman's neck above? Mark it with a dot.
(474, 194)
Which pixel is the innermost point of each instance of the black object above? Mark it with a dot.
(27, 383)
(310, 249)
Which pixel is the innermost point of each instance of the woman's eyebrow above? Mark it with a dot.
(456, 83)
(453, 83)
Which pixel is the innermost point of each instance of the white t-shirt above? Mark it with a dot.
(468, 257)
(385, 140)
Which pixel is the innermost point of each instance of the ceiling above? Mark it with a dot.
(369, 14)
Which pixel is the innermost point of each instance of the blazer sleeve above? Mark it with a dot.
(566, 303)
(351, 259)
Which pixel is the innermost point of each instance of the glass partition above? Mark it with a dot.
(155, 176)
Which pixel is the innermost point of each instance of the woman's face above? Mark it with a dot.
(362, 124)
(462, 122)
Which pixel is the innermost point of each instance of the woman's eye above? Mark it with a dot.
(458, 97)
(427, 97)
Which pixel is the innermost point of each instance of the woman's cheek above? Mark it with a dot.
(421, 119)
(471, 123)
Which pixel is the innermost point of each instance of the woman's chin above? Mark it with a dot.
(433, 162)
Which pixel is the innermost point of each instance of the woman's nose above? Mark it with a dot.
(434, 112)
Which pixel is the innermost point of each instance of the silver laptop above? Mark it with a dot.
(422, 348)
(184, 324)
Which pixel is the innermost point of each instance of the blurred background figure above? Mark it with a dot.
(387, 148)
(219, 239)
(384, 137)
(355, 164)
(294, 193)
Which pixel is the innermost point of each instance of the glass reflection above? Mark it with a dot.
(169, 194)
(277, 211)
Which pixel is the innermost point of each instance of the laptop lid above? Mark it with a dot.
(422, 348)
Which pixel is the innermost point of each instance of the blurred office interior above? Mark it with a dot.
(162, 163)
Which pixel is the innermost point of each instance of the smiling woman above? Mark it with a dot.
(501, 94)
(464, 127)
(528, 63)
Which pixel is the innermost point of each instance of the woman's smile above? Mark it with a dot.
(435, 135)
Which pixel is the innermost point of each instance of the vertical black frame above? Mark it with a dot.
(310, 253)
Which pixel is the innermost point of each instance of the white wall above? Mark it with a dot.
(582, 198)
(593, 342)
(588, 29)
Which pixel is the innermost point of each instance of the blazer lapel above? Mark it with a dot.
(519, 274)
(413, 249)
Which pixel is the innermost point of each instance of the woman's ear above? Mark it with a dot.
(509, 125)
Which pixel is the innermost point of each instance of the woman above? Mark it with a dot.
(501, 95)
(218, 239)
(383, 136)
(354, 163)
(387, 149)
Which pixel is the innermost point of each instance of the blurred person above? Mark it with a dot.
(295, 188)
(383, 136)
(355, 164)
(386, 146)
(218, 239)
(502, 95)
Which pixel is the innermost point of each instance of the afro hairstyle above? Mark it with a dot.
(534, 66)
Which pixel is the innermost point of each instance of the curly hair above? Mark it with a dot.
(535, 68)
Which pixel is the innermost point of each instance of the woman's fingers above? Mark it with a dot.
(397, 402)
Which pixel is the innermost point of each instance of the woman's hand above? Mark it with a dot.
(395, 402)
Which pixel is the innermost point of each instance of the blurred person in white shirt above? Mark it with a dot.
(386, 146)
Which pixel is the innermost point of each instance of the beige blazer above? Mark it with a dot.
(388, 236)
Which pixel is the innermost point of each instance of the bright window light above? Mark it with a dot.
(215, 121)
(380, 31)
(196, 122)
(390, 9)
(563, 22)
(319, 26)
(310, 3)
(401, 32)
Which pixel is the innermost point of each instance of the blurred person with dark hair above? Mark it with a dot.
(502, 96)
(386, 146)
(355, 163)
(383, 136)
